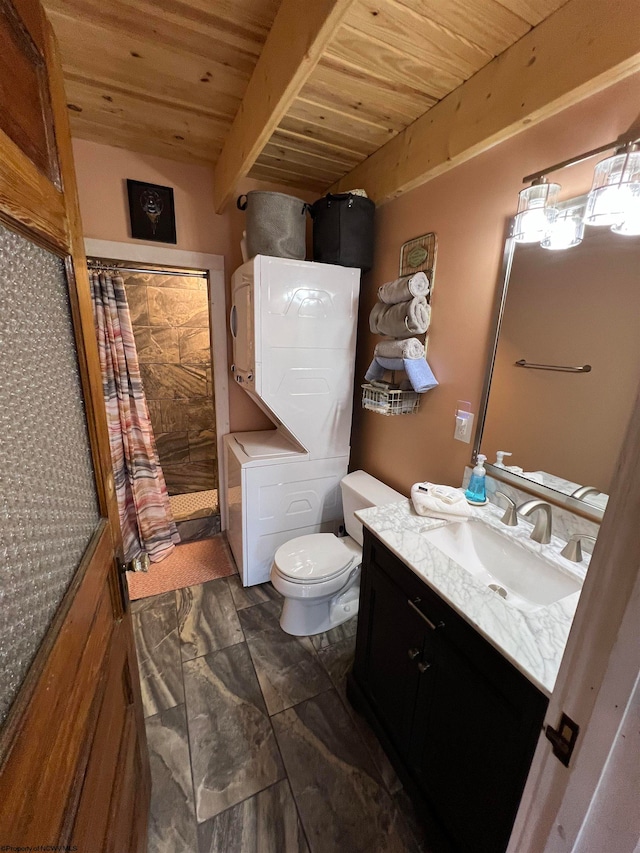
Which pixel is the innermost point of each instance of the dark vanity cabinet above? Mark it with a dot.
(457, 719)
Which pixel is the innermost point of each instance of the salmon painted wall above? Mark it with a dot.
(102, 172)
(468, 208)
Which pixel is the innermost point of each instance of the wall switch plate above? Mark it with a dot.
(464, 426)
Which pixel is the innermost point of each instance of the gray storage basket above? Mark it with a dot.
(276, 224)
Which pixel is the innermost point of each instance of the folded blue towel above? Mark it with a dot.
(391, 363)
(375, 371)
(418, 371)
(420, 374)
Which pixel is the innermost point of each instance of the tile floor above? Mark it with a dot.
(254, 747)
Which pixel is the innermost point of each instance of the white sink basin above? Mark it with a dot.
(524, 579)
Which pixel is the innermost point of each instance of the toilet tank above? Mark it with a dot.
(359, 491)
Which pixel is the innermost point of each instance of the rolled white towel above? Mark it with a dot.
(403, 289)
(437, 504)
(410, 348)
(402, 320)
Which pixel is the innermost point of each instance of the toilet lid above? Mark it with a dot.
(313, 558)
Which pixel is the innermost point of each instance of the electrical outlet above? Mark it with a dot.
(464, 426)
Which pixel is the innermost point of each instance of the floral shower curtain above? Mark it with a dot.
(143, 502)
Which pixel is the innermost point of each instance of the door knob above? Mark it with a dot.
(413, 653)
(423, 666)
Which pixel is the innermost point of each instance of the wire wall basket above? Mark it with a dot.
(379, 397)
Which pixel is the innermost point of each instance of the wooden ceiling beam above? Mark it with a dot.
(293, 48)
(579, 50)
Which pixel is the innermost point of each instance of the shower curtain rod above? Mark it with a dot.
(95, 264)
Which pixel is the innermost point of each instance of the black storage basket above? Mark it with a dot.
(343, 230)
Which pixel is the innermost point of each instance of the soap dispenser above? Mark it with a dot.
(500, 454)
(476, 492)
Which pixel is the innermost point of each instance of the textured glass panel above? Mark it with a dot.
(48, 505)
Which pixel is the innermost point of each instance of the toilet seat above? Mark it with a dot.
(315, 558)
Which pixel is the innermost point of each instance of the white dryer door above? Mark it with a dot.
(242, 324)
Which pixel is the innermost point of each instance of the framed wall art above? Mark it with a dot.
(419, 254)
(151, 212)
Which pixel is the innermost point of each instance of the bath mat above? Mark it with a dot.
(185, 505)
(188, 565)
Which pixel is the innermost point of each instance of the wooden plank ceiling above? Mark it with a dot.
(161, 77)
(389, 62)
(167, 77)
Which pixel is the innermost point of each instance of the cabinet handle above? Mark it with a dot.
(413, 653)
(421, 614)
(423, 666)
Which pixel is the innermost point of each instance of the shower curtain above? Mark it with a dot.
(143, 502)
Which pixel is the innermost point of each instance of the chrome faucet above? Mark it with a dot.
(583, 491)
(572, 550)
(542, 531)
(510, 517)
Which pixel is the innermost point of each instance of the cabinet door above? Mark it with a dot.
(388, 666)
(471, 749)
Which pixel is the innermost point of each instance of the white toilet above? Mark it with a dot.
(319, 574)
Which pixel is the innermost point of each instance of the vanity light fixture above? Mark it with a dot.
(566, 228)
(616, 182)
(630, 226)
(613, 201)
(536, 209)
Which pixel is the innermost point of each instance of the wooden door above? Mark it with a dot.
(73, 760)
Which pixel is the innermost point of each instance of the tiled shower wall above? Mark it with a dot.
(170, 316)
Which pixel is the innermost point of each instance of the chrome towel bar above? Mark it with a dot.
(586, 368)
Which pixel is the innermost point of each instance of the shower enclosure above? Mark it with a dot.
(170, 318)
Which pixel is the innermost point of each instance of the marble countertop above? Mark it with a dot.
(533, 641)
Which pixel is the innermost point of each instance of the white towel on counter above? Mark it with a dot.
(409, 348)
(440, 502)
(403, 320)
(403, 289)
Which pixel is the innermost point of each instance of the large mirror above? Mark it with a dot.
(565, 367)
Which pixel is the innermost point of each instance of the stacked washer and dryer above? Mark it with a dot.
(294, 335)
